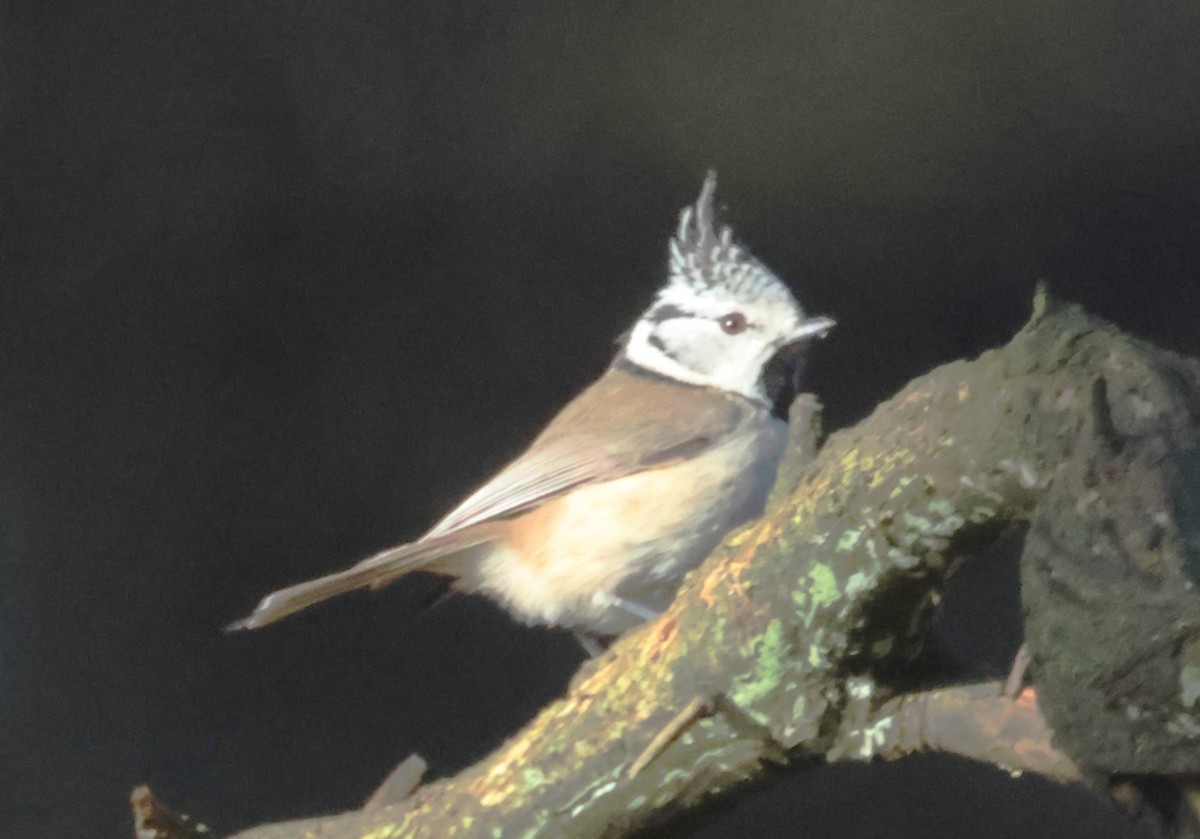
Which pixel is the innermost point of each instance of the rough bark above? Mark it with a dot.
(976, 721)
(780, 646)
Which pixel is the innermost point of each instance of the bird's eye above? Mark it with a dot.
(733, 323)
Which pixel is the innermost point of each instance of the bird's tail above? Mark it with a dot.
(373, 572)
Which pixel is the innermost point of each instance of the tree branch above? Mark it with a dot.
(975, 721)
(779, 646)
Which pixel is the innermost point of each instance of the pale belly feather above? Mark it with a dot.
(633, 538)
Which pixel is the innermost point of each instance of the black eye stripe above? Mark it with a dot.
(667, 311)
(661, 345)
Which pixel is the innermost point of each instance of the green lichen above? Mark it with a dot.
(917, 524)
(872, 549)
(821, 591)
(858, 582)
(981, 514)
(583, 799)
(849, 540)
(533, 778)
(874, 737)
(902, 559)
(941, 507)
(533, 832)
(901, 485)
(769, 651)
(798, 706)
(1189, 682)
(719, 632)
(674, 776)
(951, 525)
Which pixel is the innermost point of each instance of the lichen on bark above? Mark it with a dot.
(797, 619)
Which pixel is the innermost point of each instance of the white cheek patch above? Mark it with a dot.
(696, 344)
(697, 352)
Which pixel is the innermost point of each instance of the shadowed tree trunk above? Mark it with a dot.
(780, 646)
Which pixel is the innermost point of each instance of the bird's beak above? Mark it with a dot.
(810, 329)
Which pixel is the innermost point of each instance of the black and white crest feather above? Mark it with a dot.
(704, 256)
(713, 282)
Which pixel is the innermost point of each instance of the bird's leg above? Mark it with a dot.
(593, 645)
(1015, 682)
(636, 609)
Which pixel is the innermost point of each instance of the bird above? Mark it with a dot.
(636, 480)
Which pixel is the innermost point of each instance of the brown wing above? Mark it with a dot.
(624, 423)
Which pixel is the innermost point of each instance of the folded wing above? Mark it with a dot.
(577, 448)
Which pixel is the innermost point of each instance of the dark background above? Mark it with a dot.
(280, 281)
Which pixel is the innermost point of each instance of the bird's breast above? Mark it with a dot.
(633, 537)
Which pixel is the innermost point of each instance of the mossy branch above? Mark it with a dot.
(779, 646)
